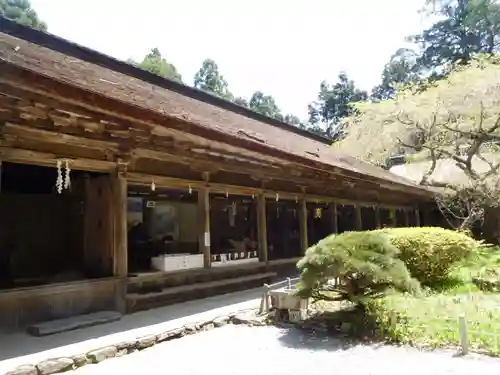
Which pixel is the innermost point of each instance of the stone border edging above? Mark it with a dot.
(63, 364)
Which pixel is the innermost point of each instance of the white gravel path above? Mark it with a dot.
(273, 351)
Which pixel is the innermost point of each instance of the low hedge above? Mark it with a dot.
(430, 252)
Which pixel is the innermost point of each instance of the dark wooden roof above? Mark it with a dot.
(73, 65)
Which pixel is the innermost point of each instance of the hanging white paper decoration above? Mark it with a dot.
(63, 182)
(190, 190)
(153, 185)
(67, 180)
(59, 180)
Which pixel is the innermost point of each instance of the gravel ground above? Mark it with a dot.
(273, 351)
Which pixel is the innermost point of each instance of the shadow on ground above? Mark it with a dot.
(332, 331)
(21, 344)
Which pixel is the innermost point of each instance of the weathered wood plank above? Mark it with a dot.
(304, 241)
(73, 323)
(262, 227)
(204, 226)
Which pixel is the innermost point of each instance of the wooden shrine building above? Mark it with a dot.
(124, 190)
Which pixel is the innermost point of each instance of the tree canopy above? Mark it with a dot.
(454, 120)
(334, 103)
(209, 79)
(155, 63)
(21, 12)
(265, 104)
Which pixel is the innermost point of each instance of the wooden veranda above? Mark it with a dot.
(122, 130)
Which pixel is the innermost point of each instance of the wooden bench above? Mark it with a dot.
(143, 301)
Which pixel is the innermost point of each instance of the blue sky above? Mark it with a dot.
(282, 47)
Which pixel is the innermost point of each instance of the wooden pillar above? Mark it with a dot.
(394, 221)
(335, 222)
(262, 227)
(417, 218)
(304, 241)
(0, 176)
(359, 220)
(120, 253)
(407, 218)
(204, 226)
(378, 224)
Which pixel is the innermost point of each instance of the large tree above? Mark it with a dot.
(464, 29)
(209, 79)
(401, 70)
(21, 12)
(334, 103)
(155, 63)
(265, 104)
(453, 130)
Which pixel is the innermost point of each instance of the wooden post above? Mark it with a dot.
(407, 218)
(392, 214)
(304, 241)
(378, 224)
(417, 218)
(262, 227)
(359, 220)
(335, 219)
(0, 176)
(120, 258)
(204, 226)
(464, 339)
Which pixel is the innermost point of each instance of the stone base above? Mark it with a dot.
(75, 322)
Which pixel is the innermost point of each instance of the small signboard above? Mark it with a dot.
(207, 239)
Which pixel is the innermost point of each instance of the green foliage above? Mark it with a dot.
(469, 96)
(266, 105)
(209, 79)
(241, 101)
(464, 28)
(430, 253)
(401, 70)
(432, 320)
(154, 62)
(365, 262)
(334, 103)
(21, 12)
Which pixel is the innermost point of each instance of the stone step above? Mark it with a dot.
(75, 322)
(167, 296)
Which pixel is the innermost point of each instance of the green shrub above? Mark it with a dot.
(365, 262)
(430, 253)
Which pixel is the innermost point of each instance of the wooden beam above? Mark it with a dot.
(120, 258)
(15, 155)
(180, 183)
(359, 219)
(26, 132)
(204, 226)
(262, 227)
(304, 241)
(172, 182)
